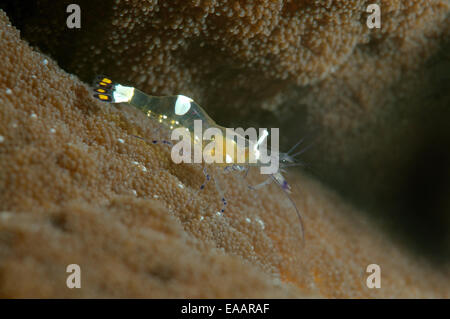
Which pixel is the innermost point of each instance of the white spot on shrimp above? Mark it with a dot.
(33, 116)
(8, 91)
(248, 220)
(45, 62)
(52, 130)
(120, 140)
(134, 192)
(218, 214)
(155, 196)
(181, 186)
(202, 218)
(33, 76)
(2, 138)
(182, 105)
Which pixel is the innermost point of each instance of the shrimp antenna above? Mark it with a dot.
(296, 144)
(295, 207)
(302, 150)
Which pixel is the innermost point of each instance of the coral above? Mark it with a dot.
(304, 66)
(67, 197)
(77, 187)
(297, 40)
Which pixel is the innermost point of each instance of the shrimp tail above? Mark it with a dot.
(107, 90)
(103, 89)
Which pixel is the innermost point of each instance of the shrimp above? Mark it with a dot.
(179, 111)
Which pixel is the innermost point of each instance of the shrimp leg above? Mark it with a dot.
(221, 193)
(284, 186)
(258, 186)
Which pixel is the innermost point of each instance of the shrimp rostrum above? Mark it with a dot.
(203, 138)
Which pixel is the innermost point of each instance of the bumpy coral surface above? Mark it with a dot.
(372, 99)
(76, 187)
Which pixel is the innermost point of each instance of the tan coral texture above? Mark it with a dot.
(77, 186)
(372, 101)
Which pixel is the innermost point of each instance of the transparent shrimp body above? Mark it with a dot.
(179, 111)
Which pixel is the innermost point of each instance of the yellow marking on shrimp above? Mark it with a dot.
(179, 111)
